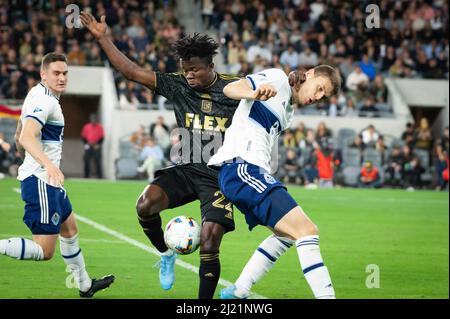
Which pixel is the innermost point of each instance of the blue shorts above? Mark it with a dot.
(46, 207)
(263, 199)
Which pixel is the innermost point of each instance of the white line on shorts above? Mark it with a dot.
(145, 247)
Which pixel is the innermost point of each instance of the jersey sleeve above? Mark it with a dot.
(38, 108)
(167, 84)
(274, 77)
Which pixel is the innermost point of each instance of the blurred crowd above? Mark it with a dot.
(142, 30)
(411, 41)
(317, 158)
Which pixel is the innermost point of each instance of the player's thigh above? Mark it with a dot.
(296, 224)
(176, 186)
(69, 227)
(215, 207)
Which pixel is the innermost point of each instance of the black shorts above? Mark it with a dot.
(188, 182)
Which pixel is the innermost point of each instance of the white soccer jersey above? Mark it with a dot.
(43, 106)
(256, 125)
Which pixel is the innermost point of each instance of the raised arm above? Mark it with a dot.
(242, 89)
(129, 69)
(28, 140)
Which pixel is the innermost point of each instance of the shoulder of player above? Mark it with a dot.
(42, 96)
(228, 77)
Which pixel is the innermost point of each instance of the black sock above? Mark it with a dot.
(209, 274)
(152, 228)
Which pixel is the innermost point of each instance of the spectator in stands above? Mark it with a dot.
(289, 140)
(290, 57)
(93, 135)
(300, 132)
(395, 166)
(152, 157)
(369, 108)
(412, 172)
(333, 108)
(378, 89)
(370, 136)
(349, 110)
(76, 56)
(308, 58)
(382, 148)
(408, 135)
(367, 67)
(290, 170)
(369, 176)
(423, 138)
(308, 160)
(160, 132)
(139, 137)
(357, 83)
(324, 155)
(128, 100)
(259, 50)
(322, 131)
(398, 69)
(440, 164)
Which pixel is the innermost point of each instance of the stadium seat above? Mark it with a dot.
(351, 157)
(127, 149)
(425, 163)
(351, 174)
(126, 168)
(344, 137)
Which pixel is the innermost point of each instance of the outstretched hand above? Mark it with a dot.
(98, 29)
(264, 92)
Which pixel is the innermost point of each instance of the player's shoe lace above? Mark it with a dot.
(98, 284)
(229, 293)
(166, 271)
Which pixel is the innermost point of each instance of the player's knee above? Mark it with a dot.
(310, 229)
(211, 237)
(146, 207)
(152, 201)
(48, 253)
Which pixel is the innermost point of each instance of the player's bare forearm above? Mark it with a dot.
(28, 141)
(242, 89)
(124, 65)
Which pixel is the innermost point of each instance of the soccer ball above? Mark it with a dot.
(182, 235)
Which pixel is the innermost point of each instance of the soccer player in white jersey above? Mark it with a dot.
(243, 161)
(48, 212)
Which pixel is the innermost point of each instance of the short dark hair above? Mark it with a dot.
(197, 45)
(52, 57)
(331, 73)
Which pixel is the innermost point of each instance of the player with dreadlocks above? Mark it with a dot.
(203, 113)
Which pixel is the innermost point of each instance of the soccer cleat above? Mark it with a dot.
(166, 271)
(98, 284)
(229, 293)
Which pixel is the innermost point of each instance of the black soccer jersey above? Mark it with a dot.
(202, 115)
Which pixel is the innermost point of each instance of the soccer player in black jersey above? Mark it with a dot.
(203, 112)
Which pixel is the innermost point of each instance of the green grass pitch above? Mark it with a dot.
(405, 234)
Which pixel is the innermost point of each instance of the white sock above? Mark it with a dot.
(315, 272)
(261, 262)
(168, 252)
(21, 248)
(73, 257)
